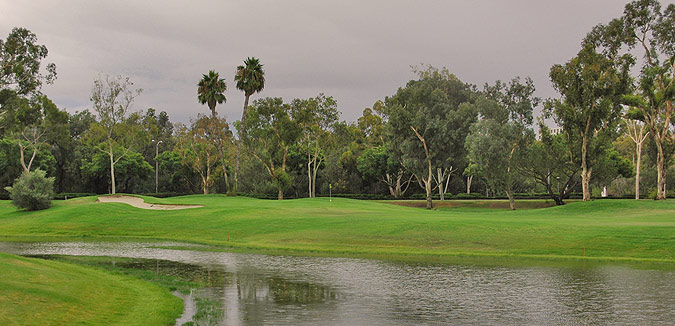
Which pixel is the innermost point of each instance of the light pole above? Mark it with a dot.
(157, 166)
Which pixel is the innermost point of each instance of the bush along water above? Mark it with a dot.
(32, 191)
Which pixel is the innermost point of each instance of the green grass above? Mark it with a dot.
(619, 230)
(41, 292)
(172, 276)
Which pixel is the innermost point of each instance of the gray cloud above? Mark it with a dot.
(356, 51)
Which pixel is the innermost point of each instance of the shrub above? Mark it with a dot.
(71, 195)
(32, 191)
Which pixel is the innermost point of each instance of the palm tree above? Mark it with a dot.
(250, 78)
(210, 91)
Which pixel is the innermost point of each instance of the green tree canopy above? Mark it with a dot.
(428, 122)
(268, 132)
(20, 61)
(210, 91)
(591, 86)
(498, 142)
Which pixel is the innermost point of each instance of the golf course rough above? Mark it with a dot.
(43, 292)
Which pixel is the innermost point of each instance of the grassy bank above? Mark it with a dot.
(41, 292)
(625, 230)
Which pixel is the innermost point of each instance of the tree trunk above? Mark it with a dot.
(212, 106)
(427, 186)
(389, 182)
(112, 172)
(309, 175)
(585, 171)
(637, 170)
(23, 161)
(314, 178)
(205, 187)
(585, 183)
(512, 202)
(222, 162)
(280, 195)
(441, 190)
(236, 167)
(556, 198)
(468, 184)
(397, 190)
(660, 172)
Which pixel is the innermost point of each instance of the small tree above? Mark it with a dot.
(316, 117)
(636, 130)
(197, 149)
(117, 132)
(32, 191)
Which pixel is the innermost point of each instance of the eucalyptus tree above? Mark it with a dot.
(20, 62)
(316, 117)
(591, 86)
(553, 162)
(210, 91)
(250, 78)
(647, 28)
(498, 141)
(268, 132)
(197, 149)
(377, 161)
(118, 129)
(636, 130)
(371, 123)
(428, 121)
(45, 126)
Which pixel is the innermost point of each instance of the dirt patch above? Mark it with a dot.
(140, 203)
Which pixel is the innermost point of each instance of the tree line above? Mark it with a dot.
(435, 134)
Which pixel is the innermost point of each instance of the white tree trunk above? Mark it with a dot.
(112, 172)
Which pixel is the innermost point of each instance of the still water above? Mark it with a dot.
(253, 289)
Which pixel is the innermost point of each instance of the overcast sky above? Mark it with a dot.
(356, 51)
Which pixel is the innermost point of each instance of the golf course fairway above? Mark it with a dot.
(616, 230)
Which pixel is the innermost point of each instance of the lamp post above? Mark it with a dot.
(156, 165)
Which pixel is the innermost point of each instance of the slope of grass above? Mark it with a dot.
(607, 229)
(41, 292)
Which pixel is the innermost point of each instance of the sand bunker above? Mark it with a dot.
(140, 203)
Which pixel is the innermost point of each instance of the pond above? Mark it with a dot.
(253, 289)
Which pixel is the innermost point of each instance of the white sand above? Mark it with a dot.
(140, 203)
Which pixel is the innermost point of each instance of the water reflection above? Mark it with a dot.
(275, 290)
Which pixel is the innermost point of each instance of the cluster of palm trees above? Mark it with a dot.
(249, 78)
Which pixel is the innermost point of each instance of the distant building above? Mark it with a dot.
(553, 130)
